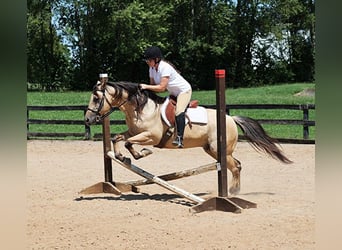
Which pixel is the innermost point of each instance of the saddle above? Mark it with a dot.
(171, 110)
(194, 114)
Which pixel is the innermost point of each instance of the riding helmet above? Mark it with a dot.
(153, 52)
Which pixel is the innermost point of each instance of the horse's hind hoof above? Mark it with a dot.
(234, 190)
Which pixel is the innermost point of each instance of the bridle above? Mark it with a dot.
(103, 99)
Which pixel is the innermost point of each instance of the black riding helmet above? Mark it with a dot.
(152, 53)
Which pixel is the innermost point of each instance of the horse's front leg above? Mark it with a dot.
(115, 140)
(143, 138)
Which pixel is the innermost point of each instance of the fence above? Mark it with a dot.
(305, 122)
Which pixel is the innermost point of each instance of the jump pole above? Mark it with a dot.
(176, 175)
(222, 202)
(127, 164)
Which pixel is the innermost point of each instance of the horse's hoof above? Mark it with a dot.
(119, 157)
(127, 161)
(234, 190)
(145, 152)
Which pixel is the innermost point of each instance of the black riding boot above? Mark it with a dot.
(180, 125)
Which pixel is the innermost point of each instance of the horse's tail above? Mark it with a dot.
(259, 139)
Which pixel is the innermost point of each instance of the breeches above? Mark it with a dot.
(183, 100)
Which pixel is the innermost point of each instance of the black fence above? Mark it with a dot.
(86, 133)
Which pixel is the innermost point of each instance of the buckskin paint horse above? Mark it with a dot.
(142, 109)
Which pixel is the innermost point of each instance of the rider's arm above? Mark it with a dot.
(156, 87)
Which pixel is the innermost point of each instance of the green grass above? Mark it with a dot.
(278, 94)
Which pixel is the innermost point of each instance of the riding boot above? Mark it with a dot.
(180, 125)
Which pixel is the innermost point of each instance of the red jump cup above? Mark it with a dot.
(220, 73)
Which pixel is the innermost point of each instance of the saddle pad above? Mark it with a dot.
(196, 115)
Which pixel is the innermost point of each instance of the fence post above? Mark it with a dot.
(227, 110)
(87, 128)
(305, 120)
(27, 124)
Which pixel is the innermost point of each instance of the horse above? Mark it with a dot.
(142, 109)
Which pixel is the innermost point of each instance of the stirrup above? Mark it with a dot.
(178, 142)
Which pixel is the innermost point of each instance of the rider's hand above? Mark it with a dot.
(142, 86)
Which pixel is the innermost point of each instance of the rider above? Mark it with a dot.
(163, 76)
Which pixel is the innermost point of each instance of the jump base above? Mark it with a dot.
(109, 187)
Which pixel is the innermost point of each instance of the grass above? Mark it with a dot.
(277, 94)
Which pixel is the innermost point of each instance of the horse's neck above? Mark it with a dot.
(149, 112)
(129, 111)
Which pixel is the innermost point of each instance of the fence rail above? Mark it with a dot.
(305, 122)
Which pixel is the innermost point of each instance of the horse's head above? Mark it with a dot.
(108, 96)
(103, 101)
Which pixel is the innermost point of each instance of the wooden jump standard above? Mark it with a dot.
(222, 203)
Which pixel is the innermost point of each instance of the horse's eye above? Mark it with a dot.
(95, 98)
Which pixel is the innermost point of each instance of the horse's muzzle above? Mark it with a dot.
(91, 120)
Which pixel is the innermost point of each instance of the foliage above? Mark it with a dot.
(258, 42)
(48, 59)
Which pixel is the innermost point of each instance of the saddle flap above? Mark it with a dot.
(170, 112)
(196, 114)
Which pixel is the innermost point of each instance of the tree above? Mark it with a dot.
(46, 55)
(274, 41)
(204, 40)
(257, 41)
(301, 39)
(295, 19)
(110, 36)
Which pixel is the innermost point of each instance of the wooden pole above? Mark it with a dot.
(221, 132)
(176, 175)
(106, 148)
(156, 179)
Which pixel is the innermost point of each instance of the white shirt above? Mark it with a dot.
(177, 84)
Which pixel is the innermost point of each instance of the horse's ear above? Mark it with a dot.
(100, 85)
(103, 83)
(103, 80)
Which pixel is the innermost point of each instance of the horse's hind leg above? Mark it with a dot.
(233, 165)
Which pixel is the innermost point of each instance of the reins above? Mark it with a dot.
(112, 108)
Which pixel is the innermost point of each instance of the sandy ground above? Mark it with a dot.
(58, 218)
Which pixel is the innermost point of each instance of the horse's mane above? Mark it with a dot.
(136, 96)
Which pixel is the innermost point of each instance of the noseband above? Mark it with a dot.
(112, 108)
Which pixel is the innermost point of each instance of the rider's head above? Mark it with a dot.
(153, 53)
